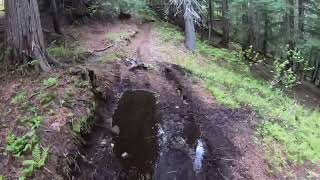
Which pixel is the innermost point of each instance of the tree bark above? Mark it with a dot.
(226, 25)
(266, 34)
(190, 31)
(210, 26)
(55, 17)
(24, 36)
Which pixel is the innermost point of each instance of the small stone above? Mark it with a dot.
(177, 107)
(148, 176)
(115, 130)
(103, 142)
(124, 155)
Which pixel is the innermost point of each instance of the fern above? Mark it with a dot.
(52, 81)
(36, 153)
(38, 161)
(17, 145)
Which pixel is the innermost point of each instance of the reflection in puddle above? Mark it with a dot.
(199, 156)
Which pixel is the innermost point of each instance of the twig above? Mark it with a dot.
(37, 93)
(103, 49)
(225, 178)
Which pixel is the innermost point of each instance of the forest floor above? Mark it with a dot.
(134, 108)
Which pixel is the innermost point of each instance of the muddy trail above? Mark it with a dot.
(153, 121)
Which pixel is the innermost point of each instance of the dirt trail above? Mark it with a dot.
(156, 123)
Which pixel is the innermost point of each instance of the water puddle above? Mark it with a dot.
(199, 155)
(136, 145)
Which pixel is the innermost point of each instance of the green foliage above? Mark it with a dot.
(52, 81)
(73, 52)
(250, 56)
(47, 97)
(294, 128)
(112, 8)
(34, 122)
(19, 145)
(2, 177)
(38, 161)
(20, 99)
(285, 74)
(170, 33)
(81, 126)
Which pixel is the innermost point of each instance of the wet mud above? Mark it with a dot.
(152, 124)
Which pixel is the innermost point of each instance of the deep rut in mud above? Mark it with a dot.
(146, 130)
(151, 124)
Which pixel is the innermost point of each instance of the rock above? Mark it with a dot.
(115, 130)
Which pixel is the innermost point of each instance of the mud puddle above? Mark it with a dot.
(134, 141)
(152, 126)
(136, 145)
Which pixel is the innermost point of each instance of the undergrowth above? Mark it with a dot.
(26, 142)
(68, 53)
(289, 132)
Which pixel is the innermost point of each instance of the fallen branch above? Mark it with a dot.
(103, 49)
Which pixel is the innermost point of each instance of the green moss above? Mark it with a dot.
(73, 52)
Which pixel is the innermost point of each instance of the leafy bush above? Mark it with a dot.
(288, 72)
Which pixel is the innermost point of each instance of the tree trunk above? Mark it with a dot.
(55, 18)
(190, 31)
(266, 34)
(24, 36)
(210, 26)
(226, 25)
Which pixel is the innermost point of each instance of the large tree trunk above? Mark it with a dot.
(24, 36)
(226, 25)
(190, 31)
(210, 24)
(55, 17)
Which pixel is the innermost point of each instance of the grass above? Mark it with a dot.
(289, 132)
(71, 52)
